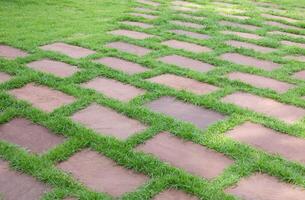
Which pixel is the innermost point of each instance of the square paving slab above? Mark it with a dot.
(268, 16)
(199, 116)
(243, 26)
(131, 34)
(56, 68)
(106, 121)
(138, 24)
(42, 97)
(243, 35)
(249, 61)
(191, 157)
(69, 50)
(129, 48)
(190, 34)
(114, 89)
(17, 186)
(300, 75)
(265, 187)
(269, 107)
(28, 135)
(182, 83)
(289, 43)
(146, 16)
(102, 174)
(4, 77)
(187, 24)
(173, 194)
(11, 53)
(247, 45)
(195, 48)
(122, 65)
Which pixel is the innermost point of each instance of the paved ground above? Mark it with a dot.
(179, 101)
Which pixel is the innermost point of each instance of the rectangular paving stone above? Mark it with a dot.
(122, 65)
(278, 17)
(4, 77)
(280, 25)
(297, 58)
(28, 135)
(199, 18)
(106, 121)
(69, 50)
(199, 116)
(243, 35)
(184, 9)
(289, 43)
(56, 68)
(195, 48)
(247, 45)
(265, 187)
(131, 34)
(151, 3)
(141, 9)
(260, 81)
(286, 34)
(18, 186)
(173, 194)
(11, 53)
(129, 48)
(269, 140)
(266, 106)
(186, 4)
(185, 62)
(300, 75)
(138, 24)
(113, 89)
(193, 158)
(244, 26)
(146, 16)
(42, 97)
(187, 24)
(182, 83)
(190, 34)
(236, 16)
(102, 174)
(249, 61)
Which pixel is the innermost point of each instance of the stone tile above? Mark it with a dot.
(243, 35)
(266, 4)
(4, 77)
(195, 48)
(129, 48)
(199, 116)
(185, 4)
(11, 53)
(297, 58)
(262, 186)
(69, 50)
(122, 65)
(42, 97)
(247, 45)
(56, 68)
(182, 83)
(193, 158)
(260, 81)
(280, 25)
(151, 3)
(244, 26)
(269, 140)
(187, 24)
(249, 61)
(131, 34)
(138, 24)
(185, 62)
(236, 16)
(106, 121)
(15, 185)
(223, 4)
(279, 18)
(141, 9)
(113, 89)
(300, 75)
(102, 174)
(199, 18)
(172, 194)
(184, 9)
(146, 16)
(190, 34)
(289, 43)
(266, 106)
(70, 198)
(286, 34)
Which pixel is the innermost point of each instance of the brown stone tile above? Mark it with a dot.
(236, 16)
(266, 106)
(265, 187)
(184, 9)
(243, 35)
(141, 9)
(266, 4)
(122, 65)
(300, 75)
(247, 45)
(106, 121)
(56, 68)
(69, 50)
(187, 24)
(4, 77)
(249, 61)
(280, 25)
(271, 141)
(185, 4)
(195, 48)
(223, 4)
(193, 158)
(10, 53)
(199, 18)
(190, 34)
(297, 58)
(129, 48)
(131, 34)
(199, 116)
(289, 43)
(151, 3)
(286, 34)
(113, 89)
(17, 186)
(138, 24)
(185, 62)
(244, 26)
(70, 198)
(172, 194)
(278, 17)
(42, 97)
(101, 173)
(182, 83)
(146, 16)
(261, 82)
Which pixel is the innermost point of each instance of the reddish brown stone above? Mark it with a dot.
(131, 34)
(278, 17)
(199, 116)
(289, 43)
(297, 58)
(106, 121)
(249, 61)
(182, 83)
(184, 9)
(300, 75)
(11, 52)
(185, 4)
(243, 35)
(247, 45)
(146, 16)
(199, 18)
(4, 77)
(69, 50)
(17, 186)
(151, 3)
(195, 48)
(286, 34)
(223, 4)
(244, 26)
(101, 173)
(129, 48)
(113, 88)
(141, 9)
(260, 81)
(194, 158)
(123, 65)
(42, 97)
(269, 107)
(265, 187)
(237, 16)
(280, 25)
(173, 194)
(138, 24)
(185, 62)
(191, 34)
(187, 24)
(54, 67)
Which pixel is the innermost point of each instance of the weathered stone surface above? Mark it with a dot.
(10, 53)
(146, 16)
(199, 18)
(244, 26)
(300, 75)
(187, 24)
(129, 48)
(278, 17)
(195, 48)
(138, 24)
(131, 34)
(243, 35)
(280, 25)
(247, 45)
(190, 34)
(4, 77)
(286, 34)
(237, 16)
(289, 43)
(297, 58)
(172, 194)
(151, 3)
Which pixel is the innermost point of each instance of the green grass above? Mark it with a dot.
(29, 24)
